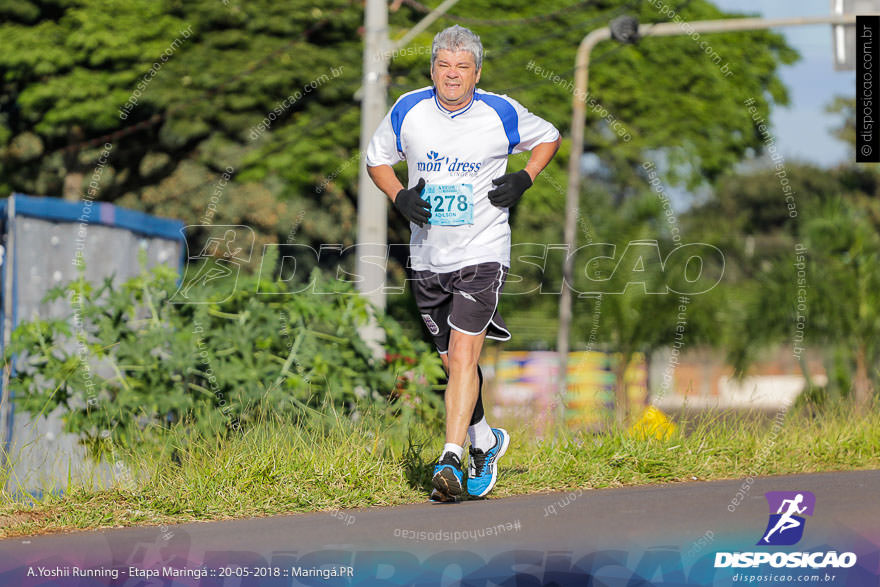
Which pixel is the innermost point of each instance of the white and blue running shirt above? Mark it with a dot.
(470, 145)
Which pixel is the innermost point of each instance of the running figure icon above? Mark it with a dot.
(212, 274)
(787, 510)
(787, 522)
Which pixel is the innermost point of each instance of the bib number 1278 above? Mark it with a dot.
(451, 205)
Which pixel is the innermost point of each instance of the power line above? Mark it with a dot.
(495, 55)
(503, 22)
(605, 55)
(637, 4)
(159, 117)
(559, 33)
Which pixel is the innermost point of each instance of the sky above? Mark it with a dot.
(802, 129)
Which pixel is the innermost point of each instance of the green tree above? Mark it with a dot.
(844, 253)
(206, 75)
(639, 288)
(805, 277)
(67, 67)
(846, 108)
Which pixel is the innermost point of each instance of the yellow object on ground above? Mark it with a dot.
(653, 423)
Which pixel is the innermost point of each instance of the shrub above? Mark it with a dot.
(129, 363)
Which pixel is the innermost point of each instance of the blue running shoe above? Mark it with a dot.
(483, 466)
(447, 475)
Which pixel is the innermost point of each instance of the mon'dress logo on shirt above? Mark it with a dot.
(436, 162)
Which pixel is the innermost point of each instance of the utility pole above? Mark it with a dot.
(372, 233)
(578, 118)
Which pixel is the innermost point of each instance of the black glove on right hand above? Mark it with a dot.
(411, 204)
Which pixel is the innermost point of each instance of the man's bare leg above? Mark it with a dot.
(462, 391)
(463, 386)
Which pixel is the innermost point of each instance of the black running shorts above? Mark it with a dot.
(465, 300)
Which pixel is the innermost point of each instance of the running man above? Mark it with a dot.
(456, 140)
(786, 521)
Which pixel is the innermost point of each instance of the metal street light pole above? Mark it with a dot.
(578, 118)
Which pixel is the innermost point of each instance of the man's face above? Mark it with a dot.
(455, 75)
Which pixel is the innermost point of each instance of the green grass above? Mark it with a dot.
(278, 468)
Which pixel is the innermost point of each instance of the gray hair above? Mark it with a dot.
(457, 38)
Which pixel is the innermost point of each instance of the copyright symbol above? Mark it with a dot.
(866, 150)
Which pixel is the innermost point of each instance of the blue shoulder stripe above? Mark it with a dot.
(400, 110)
(507, 114)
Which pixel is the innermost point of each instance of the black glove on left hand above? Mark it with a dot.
(511, 188)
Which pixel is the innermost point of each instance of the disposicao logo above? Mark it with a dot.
(786, 528)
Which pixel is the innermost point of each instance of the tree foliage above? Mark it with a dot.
(67, 67)
(806, 279)
(222, 100)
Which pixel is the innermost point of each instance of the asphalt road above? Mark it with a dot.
(665, 534)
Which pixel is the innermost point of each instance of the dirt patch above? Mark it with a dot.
(17, 518)
(11, 520)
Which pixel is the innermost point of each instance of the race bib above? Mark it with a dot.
(451, 205)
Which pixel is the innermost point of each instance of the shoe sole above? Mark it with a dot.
(501, 452)
(446, 482)
(440, 497)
